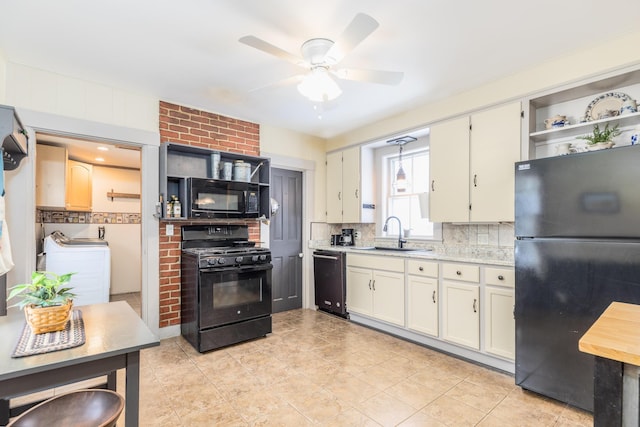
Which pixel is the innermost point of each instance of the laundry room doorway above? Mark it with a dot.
(91, 189)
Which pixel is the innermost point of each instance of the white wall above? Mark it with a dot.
(294, 145)
(45, 91)
(127, 118)
(599, 59)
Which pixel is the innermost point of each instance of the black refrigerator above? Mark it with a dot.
(577, 249)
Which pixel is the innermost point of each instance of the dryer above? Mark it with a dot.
(90, 259)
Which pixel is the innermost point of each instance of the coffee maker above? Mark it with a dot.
(347, 238)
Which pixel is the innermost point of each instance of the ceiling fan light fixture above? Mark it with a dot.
(318, 86)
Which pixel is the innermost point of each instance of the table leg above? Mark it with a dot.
(132, 389)
(607, 401)
(4, 412)
(112, 381)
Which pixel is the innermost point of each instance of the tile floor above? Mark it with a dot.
(316, 369)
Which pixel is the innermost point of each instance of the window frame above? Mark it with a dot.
(382, 160)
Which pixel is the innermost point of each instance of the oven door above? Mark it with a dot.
(233, 294)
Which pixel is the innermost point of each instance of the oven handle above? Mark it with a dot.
(241, 269)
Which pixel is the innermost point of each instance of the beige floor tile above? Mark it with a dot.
(351, 389)
(318, 369)
(386, 409)
(452, 412)
(319, 406)
(350, 418)
(284, 416)
(413, 393)
(421, 419)
(484, 398)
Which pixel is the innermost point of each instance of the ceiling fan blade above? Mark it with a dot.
(267, 47)
(370, 76)
(280, 83)
(358, 30)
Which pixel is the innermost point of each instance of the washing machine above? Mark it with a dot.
(90, 259)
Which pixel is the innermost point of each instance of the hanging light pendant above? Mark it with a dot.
(401, 177)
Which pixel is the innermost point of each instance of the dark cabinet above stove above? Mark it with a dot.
(178, 162)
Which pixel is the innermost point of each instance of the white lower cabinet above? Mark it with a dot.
(461, 313)
(422, 297)
(374, 292)
(461, 304)
(461, 308)
(499, 319)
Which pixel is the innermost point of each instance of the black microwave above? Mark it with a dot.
(210, 198)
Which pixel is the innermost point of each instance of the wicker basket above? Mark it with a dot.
(48, 319)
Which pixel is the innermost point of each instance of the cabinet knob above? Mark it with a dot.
(433, 187)
(475, 180)
(433, 297)
(459, 273)
(374, 284)
(369, 284)
(421, 268)
(475, 305)
(339, 195)
(501, 277)
(356, 193)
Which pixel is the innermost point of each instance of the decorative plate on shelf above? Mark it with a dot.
(611, 101)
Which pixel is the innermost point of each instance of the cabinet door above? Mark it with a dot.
(351, 201)
(461, 317)
(79, 186)
(359, 290)
(495, 147)
(449, 169)
(423, 305)
(51, 169)
(388, 296)
(500, 325)
(334, 187)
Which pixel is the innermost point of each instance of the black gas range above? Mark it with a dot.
(225, 286)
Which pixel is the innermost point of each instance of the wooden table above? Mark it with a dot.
(615, 341)
(114, 337)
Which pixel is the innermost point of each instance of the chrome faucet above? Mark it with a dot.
(401, 241)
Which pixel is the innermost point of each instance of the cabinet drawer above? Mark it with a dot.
(466, 273)
(376, 262)
(423, 268)
(500, 276)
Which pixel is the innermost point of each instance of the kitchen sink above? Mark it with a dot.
(385, 248)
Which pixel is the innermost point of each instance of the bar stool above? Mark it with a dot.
(79, 408)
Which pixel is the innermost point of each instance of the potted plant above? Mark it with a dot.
(600, 139)
(46, 301)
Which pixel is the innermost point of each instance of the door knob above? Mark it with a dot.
(300, 255)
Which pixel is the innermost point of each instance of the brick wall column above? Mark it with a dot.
(189, 126)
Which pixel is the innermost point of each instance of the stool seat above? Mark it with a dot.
(80, 408)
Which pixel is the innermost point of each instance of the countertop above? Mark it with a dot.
(418, 253)
(615, 335)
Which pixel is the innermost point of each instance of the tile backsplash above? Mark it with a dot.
(72, 217)
(479, 241)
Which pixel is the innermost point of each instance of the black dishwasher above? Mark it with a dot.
(329, 272)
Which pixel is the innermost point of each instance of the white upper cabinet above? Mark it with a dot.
(472, 166)
(449, 169)
(495, 148)
(347, 192)
(51, 171)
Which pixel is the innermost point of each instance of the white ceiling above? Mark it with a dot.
(188, 52)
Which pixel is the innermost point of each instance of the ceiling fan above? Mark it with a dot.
(321, 55)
